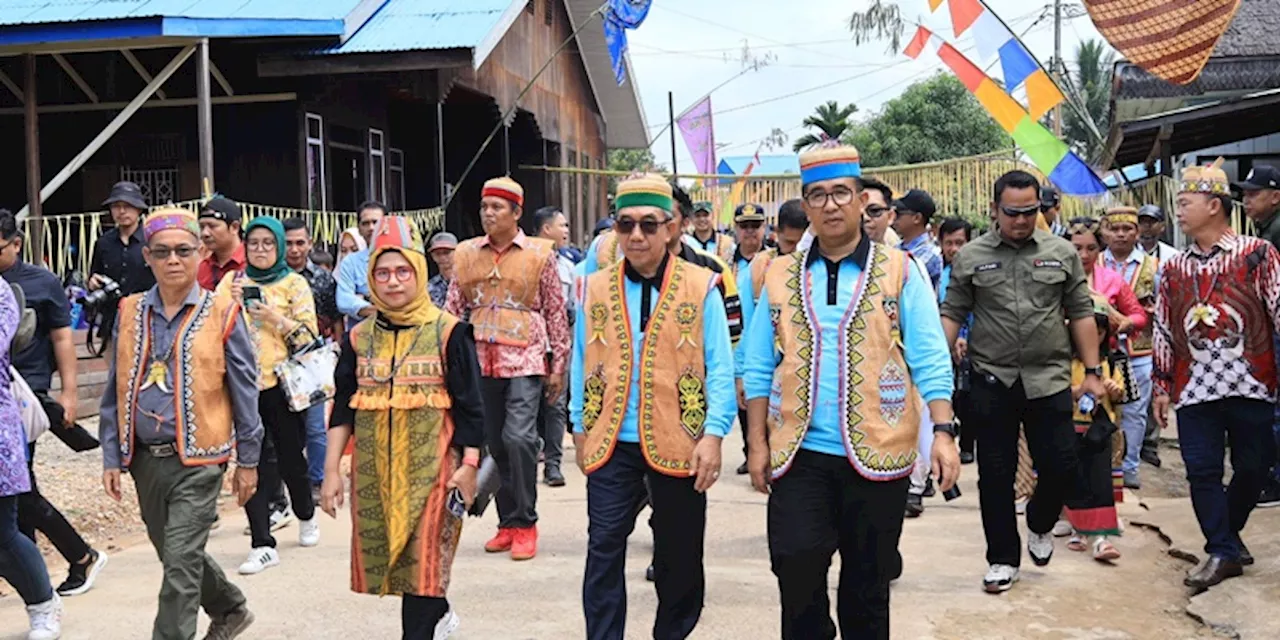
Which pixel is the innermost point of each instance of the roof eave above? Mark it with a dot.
(495, 35)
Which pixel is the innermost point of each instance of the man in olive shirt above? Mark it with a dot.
(1024, 287)
(1261, 190)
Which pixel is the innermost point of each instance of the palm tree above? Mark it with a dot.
(1092, 86)
(830, 119)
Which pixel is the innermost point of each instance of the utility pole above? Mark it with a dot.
(671, 122)
(1058, 66)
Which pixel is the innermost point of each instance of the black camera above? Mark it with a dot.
(108, 292)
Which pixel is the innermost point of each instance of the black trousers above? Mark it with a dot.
(962, 404)
(35, 513)
(615, 494)
(1051, 437)
(419, 616)
(822, 506)
(282, 458)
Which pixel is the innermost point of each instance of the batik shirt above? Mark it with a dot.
(923, 249)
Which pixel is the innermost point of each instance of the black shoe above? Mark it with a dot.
(1246, 558)
(928, 489)
(648, 573)
(1212, 572)
(895, 567)
(80, 577)
(1270, 496)
(915, 506)
(966, 457)
(553, 477)
(742, 469)
(1151, 457)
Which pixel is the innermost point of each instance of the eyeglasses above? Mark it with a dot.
(817, 199)
(161, 252)
(1020, 211)
(261, 245)
(750, 225)
(626, 226)
(402, 274)
(873, 211)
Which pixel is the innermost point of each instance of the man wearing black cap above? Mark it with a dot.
(1262, 204)
(117, 257)
(220, 233)
(748, 222)
(1051, 210)
(1151, 221)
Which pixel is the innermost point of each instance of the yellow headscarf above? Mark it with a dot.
(396, 233)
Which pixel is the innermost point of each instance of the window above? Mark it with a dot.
(395, 178)
(315, 163)
(549, 12)
(377, 167)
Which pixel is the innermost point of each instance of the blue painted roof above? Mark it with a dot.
(772, 165)
(15, 12)
(418, 25)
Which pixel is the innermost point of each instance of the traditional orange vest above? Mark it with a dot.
(759, 266)
(501, 290)
(878, 401)
(1143, 284)
(673, 394)
(197, 367)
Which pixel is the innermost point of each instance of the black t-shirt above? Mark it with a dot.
(121, 263)
(44, 293)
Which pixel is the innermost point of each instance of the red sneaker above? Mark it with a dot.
(525, 546)
(502, 541)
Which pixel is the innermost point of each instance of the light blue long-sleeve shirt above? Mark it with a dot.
(722, 407)
(924, 343)
(591, 263)
(353, 282)
(748, 305)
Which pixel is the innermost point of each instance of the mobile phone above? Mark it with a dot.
(952, 493)
(251, 293)
(1087, 404)
(457, 505)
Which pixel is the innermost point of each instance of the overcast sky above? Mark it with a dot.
(689, 47)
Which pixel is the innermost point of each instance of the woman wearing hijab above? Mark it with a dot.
(281, 316)
(349, 241)
(408, 388)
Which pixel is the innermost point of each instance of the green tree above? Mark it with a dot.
(631, 160)
(934, 119)
(830, 119)
(1091, 83)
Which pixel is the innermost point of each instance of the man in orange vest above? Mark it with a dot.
(174, 431)
(651, 368)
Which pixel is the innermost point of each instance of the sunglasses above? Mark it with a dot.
(162, 252)
(1020, 211)
(626, 226)
(402, 274)
(874, 210)
(750, 225)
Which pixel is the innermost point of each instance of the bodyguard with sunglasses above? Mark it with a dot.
(1019, 282)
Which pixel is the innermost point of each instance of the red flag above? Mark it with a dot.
(918, 42)
(964, 13)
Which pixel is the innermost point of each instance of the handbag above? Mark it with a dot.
(1100, 430)
(76, 437)
(306, 376)
(34, 419)
(1120, 362)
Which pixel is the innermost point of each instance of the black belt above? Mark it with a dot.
(164, 450)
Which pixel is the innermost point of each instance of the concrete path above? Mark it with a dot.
(939, 595)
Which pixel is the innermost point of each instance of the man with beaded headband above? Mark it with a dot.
(1142, 273)
(508, 285)
(831, 375)
(651, 369)
(174, 430)
(1217, 310)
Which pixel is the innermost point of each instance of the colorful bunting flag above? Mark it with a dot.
(934, 4)
(695, 126)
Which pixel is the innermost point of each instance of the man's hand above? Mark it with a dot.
(580, 450)
(70, 404)
(94, 283)
(237, 289)
(1160, 407)
(464, 478)
(245, 484)
(552, 386)
(742, 395)
(962, 348)
(331, 492)
(758, 467)
(1093, 384)
(945, 460)
(706, 463)
(111, 483)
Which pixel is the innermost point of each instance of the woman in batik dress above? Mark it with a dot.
(408, 388)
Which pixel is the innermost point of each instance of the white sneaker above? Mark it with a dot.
(309, 532)
(999, 578)
(447, 625)
(1040, 547)
(279, 520)
(1061, 529)
(260, 559)
(46, 619)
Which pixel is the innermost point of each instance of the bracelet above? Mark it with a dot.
(471, 460)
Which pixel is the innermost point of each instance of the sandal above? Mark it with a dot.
(1104, 551)
(1076, 543)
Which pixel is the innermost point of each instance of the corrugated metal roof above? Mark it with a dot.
(417, 25)
(14, 12)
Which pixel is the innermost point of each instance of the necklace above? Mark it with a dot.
(396, 369)
(158, 370)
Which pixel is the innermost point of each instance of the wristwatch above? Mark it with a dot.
(948, 428)
(1097, 371)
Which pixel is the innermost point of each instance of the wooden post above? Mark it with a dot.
(32, 130)
(204, 111)
(444, 186)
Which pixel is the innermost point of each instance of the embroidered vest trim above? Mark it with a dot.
(1143, 284)
(759, 267)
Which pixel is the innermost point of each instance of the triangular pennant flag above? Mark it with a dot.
(963, 14)
(989, 34)
(1042, 94)
(968, 72)
(918, 42)
(934, 4)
